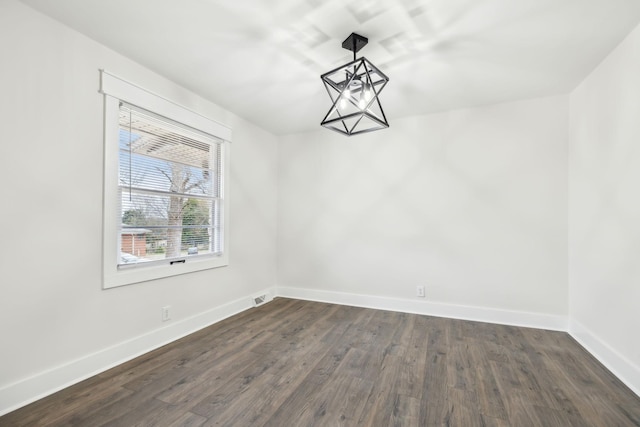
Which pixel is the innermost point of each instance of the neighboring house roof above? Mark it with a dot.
(135, 231)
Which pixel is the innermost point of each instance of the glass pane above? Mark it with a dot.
(161, 156)
(164, 226)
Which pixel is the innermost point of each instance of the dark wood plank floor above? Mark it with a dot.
(297, 363)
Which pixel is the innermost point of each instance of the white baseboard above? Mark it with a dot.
(25, 391)
(621, 367)
(479, 314)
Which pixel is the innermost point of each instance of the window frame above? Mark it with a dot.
(116, 90)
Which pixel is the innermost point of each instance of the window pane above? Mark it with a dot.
(169, 181)
(163, 226)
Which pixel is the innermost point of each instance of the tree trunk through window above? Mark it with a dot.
(180, 183)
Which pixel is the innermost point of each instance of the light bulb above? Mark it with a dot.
(344, 98)
(363, 102)
(368, 93)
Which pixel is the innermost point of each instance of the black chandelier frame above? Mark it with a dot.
(349, 115)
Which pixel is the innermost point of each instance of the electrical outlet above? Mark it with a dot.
(166, 313)
(420, 291)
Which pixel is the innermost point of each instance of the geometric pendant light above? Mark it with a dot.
(354, 89)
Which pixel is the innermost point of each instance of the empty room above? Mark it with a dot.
(327, 213)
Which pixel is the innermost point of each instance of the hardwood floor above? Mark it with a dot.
(299, 363)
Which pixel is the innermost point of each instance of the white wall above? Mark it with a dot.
(53, 312)
(604, 211)
(472, 204)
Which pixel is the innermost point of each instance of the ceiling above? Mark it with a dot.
(262, 59)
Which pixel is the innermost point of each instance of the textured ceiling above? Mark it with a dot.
(262, 59)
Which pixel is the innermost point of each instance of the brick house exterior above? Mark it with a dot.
(134, 241)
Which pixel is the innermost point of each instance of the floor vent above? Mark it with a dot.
(260, 299)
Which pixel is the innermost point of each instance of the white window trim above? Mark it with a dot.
(116, 90)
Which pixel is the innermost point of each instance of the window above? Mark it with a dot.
(165, 185)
